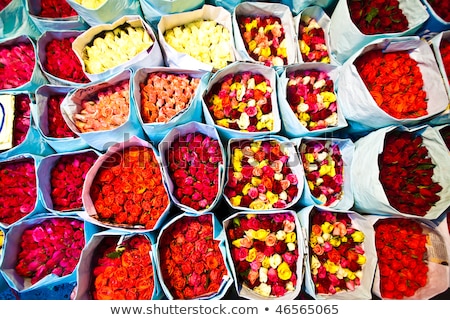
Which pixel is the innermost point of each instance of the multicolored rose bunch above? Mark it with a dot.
(67, 178)
(395, 82)
(401, 248)
(129, 190)
(264, 38)
(123, 271)
(62, 62)
(191, 262)
(56, 9)
(406, 173)
(108, 109)
(17, 63)
(51, 247)
(324, 168)
(18, 187)
(264, 249)
(57, 126)
(377, 16)
(260, 177)
(337, 253)
(242, 101)
(311, 41)
(193, 165)
(311, 96)
(165, 94)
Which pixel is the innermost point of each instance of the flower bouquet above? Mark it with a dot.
(308, 99)
(401, 171)
(441, 48)
(369, 75)
(327, 165)
(61, 179)
(193, 161)
(108, 49)
(19, 65)
(266, 251)
(439, 17)
(264, 33)
(354, 24)
(153, 10)
(125, 190)
(263, 174)
(191, 258)
(412, 259)
(19, 189)
(54, 15)
(42, 251)
(50, 121)
(118, 266)
(167, 97)
(102, 113)
(240, 101)
(200, 39)
(341, 254)
(58, 60)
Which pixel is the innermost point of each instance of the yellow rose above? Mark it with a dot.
(236, 243)
(326, 227)
(266, 262)
(236, 201)
(251, 255)
(271, 197)
(261, 234)
(291, 237)
(361, 259)
(246, 188)
(315, 264)
(250, 233)
(257, 205)
(284, 272)
(331, 267)
(335, 242)
(358, 236)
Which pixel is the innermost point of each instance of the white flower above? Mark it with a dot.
(244, 121)
(263, 274)
(263, 289)
(275, 260)
(281, 235)
(291, 246)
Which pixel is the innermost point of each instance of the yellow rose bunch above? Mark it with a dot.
(91, 4)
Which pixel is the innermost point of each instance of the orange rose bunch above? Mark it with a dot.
(128, 189)
(395, 82)
(123, 271)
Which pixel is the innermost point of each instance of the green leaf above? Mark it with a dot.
(117, 253)
(372, 14)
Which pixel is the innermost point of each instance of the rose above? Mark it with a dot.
(441, 8)
(444, 50)
(312, 41)
(165, 94)
(56, 9)
(4, 4)
(57, 126)
(395, 82)
(17, 63)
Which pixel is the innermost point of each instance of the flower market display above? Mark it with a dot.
(123, 271)
(264, 249)
(227, 150)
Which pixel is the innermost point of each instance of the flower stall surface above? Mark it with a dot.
(118, 265)
(193, 160)
(125, 190)
(341, 254)
(412, 259)
(263, 174)
(191, 258)
(201, 39)
(43, 250)
(266, 251)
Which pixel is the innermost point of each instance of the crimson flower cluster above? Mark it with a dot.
(4, 4)
(17, 63)
(57, 126)
(442, 8)
(56, 9)
(445, 133)
(193, 164)
(444, 49)
(21, 118)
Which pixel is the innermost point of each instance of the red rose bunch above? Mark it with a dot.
(62, 62)
(129, 190)
(241, 102)
(51, 247)
(259, 176)
(193, 165)
(444, 49)
(445, 133)
(264, 249)
(57, 126)
(336, 252)
(17, 62)
(324, 168)
(18, 187)
(22, 118)
(67, 179)
(165, 94)
(406, 173)
(4, 4)
(191, 262)
(395, 82)
(441, 8)
(312, 98)
(123, 271)
(105, 110)
(264, 38)
(402, 257)
(312, 41)
(56, 9)
(377, 16)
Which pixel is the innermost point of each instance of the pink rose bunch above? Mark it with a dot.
(67, 179)
(193, 165)
(18, 189)
(17, 62)
(51, 247)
